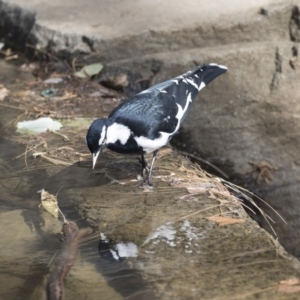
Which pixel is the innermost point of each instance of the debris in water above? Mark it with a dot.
(49, 202)
(49, 93)
(38, 126)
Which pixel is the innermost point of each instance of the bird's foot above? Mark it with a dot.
(147, 185)
(145, 171)
(139, 177)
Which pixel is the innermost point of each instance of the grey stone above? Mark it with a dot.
(15, 24)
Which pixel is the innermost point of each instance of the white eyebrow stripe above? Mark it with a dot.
(102, 135)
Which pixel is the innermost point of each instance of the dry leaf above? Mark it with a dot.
(223, 221)
(49, 202)
(3, 93)
(290, 281)
(288, 289)
(201, 188)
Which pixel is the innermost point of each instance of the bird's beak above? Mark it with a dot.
(95, 156)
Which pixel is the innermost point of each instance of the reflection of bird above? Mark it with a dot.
(149, 120)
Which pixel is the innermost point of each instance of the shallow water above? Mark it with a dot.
(30, 236)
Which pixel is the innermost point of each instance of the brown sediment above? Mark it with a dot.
(65, 259)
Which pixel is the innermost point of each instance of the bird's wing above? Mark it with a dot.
(164, 106)
(147, 115)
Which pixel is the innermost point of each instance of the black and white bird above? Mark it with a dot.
(148, 121)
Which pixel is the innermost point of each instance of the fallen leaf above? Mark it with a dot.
(290, 281)
(89, 70)
(3, 93)
(93, 69)
(288, 289)
(78, 122)
(223, 221)
(53, 80)
(49, 202)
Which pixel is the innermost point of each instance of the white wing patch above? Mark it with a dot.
(102, 136)
(181, 111)
(201, 86)
(220, 66)
(190, 81)
(149, 145)
(116, 132)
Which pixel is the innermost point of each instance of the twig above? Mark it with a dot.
(65, 259)
(42, 51)
(13, 107)
(60, 134)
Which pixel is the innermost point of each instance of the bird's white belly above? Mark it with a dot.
(149, 145)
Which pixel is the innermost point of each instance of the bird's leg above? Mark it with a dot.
(148, 180)
(144, 164)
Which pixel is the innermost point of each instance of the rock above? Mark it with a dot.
(250, 114)
(15, 24)
(145, 31)
(176, 248)
(121, 79)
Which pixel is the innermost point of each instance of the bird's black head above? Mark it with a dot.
(96, 138)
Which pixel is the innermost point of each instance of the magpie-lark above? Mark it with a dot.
(148, 121)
